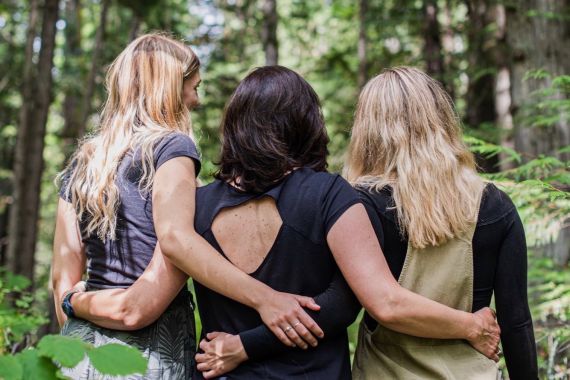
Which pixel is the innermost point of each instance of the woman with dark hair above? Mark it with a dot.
(276, 213)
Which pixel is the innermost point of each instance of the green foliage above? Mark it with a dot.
(18, 317)
(55, 351)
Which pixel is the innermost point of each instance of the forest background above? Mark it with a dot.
(506, 63)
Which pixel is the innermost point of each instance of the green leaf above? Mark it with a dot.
(36, 366)
(117, 359)
(15, 281)
(10, 368)
(65, 350)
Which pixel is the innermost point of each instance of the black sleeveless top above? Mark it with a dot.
(119, 263)
(299, 262)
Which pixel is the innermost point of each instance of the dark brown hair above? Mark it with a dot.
(272, 124)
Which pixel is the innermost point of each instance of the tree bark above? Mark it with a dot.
(269, 32)
(487, 101)
(539, 35)
(28, 161)
(73, 94)
(362, 43)
(432, 41)
(95, 63)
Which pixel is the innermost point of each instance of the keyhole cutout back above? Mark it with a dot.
(247, 232)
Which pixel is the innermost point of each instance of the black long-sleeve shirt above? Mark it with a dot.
(500, 266)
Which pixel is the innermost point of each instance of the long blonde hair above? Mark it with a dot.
(406, 135)
(144, 104)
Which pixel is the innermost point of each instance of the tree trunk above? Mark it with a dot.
(72, 69)
(432, 41)
(95, 63)
(486, 57)
(539, 35)
(269, 32)
(28, 161)
(362, 42)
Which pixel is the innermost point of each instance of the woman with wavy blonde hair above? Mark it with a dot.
(445, 233)
(130, 186)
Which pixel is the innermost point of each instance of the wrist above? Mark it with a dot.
(474, 329)
(259, 297)
(66, 305)
(241, 353)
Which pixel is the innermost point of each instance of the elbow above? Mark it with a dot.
(133, 321)
(386, 311)
(170, 243)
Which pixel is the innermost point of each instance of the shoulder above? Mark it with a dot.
(175, 145)
(495, 205)
(176, 140)
(380, 199)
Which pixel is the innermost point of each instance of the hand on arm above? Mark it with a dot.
(361, 261)
(137, 306)
(68, 262)
(173, 210)
(224, 352)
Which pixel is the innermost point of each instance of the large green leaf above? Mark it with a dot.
(10, 368)
(117, 359)
(65, 350)
(36, 366)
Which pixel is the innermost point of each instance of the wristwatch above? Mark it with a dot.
(66, 305)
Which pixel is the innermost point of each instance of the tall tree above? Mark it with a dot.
(269, 32)
(362, 43)
(28, 161)
(94, 69)
(539, 35)
(433, 51)
(486, 51)
(72, 70)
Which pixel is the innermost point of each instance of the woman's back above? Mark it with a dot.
(118, 263)
(499, 267)
(290, 255)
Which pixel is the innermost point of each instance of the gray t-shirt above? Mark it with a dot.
(118, 263)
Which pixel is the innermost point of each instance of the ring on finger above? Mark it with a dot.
(286, 329)
(296, 324)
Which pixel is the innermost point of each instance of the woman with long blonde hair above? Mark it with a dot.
(129, 187)
(446, 234)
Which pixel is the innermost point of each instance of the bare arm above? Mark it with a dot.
(361, 261)
(173, 199)
(68, 261)
(137, 306)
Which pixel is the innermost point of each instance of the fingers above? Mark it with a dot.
(292, 334)
(281, 335)
(309, 323)
(213, 335)
(308, 302)
(305, 334)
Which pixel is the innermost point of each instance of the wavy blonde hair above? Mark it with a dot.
(407, 135)
(144, 104)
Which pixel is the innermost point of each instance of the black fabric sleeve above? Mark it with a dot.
(339, 198)
(373, 216)
(339, 308)
(513, 314)
(176, 145)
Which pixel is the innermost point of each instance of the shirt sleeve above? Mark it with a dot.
(339, 198)
(66, 183)
(513, 314)
(339, 308)
(177, 145)
(372, 212)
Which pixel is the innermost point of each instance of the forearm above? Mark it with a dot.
(412, 314)
(106, 308)
(339, 308)
(191, 253)
(60, 284)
